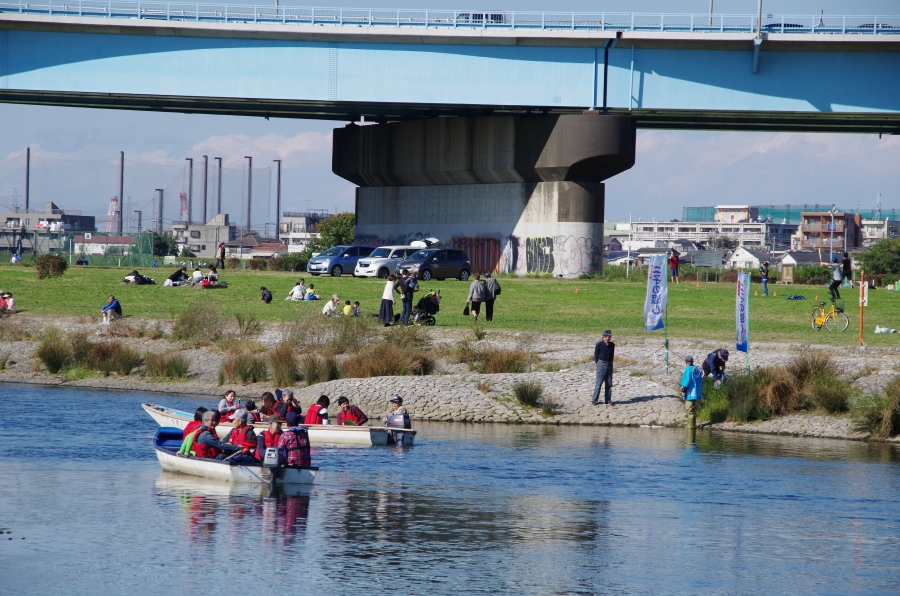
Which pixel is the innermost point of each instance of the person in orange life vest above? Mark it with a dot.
(207, 444)
(294, 443)
(243, 436)
(288, 404)
(268, 438)
(196, 423)
(227, 405)
(318, 412)
(350, 415)
(268, 405)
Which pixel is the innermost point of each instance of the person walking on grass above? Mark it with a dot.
(847, 269)
(491, 290)
(764, 277)
(604, 354)
(477, 295)
(691, 389)
(220, 255)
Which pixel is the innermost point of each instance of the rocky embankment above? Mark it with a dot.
(643, 394)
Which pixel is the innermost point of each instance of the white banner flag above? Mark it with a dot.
(657, 293)
(742, 312)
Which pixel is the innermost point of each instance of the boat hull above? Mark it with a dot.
(224, 472)
(319, 434)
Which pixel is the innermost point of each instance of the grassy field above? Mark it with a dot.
(526, 304)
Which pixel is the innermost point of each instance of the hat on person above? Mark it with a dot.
(607, 332)
(397, 400)
(274, 418)
(239, 414)
(335, 297)
(689, 359)
(834, 259)
(723, 354)
(291, 418)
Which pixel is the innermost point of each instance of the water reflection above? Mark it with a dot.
(281, 512)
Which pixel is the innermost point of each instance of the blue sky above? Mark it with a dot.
(674, 168)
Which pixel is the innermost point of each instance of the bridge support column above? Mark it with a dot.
(521, 194)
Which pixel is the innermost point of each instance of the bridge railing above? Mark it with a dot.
(457, 19)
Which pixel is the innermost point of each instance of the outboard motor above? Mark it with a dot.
(399, 421)
(272, 459)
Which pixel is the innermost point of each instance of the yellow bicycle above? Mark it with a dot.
(833, 319)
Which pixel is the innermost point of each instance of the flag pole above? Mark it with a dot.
(666, 345)
(748, 332)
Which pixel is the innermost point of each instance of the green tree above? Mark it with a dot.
(163, 245)
(186, 252)
(882, 257)
(337, 229)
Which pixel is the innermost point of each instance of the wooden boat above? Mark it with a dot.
(168, 441)
(319, 434)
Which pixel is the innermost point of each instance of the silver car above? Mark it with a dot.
(382, 261)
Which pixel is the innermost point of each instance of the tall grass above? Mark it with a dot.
(172, 366)
(248, 326)
(347, 335)
(388, 360)
(245, 368)
(113, 357)
(318, 369)
(54, 351)
(808, 382)
(879, 414)
(285, 368)
(528, 393)
(200, 324)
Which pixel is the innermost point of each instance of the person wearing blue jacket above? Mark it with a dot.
(691, 389)
(112, 310)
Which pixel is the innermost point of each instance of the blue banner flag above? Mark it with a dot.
(657, 293)
(742, 312)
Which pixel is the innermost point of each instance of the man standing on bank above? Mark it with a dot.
(491, 291)
(220, 255)
(604, 354)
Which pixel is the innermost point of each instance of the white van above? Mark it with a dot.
(382, 261)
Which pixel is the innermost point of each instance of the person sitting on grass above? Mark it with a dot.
(348, 309)
(197, 276)
(355, 311)
(178, 278)
(311, 293)
(10, 303)
(213, 276)
(298, 292)
(112, 311)
(266, 295)
(331, 309)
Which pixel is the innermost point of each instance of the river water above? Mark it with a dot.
(85, 509)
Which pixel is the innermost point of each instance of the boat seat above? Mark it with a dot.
(170, 443)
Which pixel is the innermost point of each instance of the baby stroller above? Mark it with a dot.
(427, 306)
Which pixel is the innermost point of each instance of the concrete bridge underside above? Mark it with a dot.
(520, 194)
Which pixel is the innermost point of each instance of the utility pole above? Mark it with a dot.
(219, 187)
(121, 191)
(140, 223)
(710, 12)
(249, 188)
(27, 177)
(205, 178)
(278, 198)
(159, 211)
(190, 211)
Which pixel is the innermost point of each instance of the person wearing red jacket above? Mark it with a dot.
(318, 412)
(268, 438)
(195, 424)
(350, 415)
(207, 444)
(243, 436)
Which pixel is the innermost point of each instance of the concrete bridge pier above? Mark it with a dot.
(521, 194)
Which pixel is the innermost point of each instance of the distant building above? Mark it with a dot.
(743, 258)
(254, 247)
(834, 232)
(95, 244)
(761, 235)
(48, 230)
(874, 230)
(296, 230)
(202, 240)
(735, 213)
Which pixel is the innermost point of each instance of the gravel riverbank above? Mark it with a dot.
(643, 393)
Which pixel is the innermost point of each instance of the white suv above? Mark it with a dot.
(382, 261)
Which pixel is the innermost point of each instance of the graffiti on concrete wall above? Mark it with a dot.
(539, 254)
(483, 251)
(509, 256)
(575, 256)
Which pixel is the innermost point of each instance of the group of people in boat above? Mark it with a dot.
(243, 445)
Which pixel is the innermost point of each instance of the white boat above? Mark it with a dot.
(168, 441)
(318, 433)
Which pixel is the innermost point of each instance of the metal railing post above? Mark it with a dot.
(844, 26)
(398, 17)
(168, 16)
(543, 21)
(370, 17)
(341, 16)
(632, 21)
(79, 7)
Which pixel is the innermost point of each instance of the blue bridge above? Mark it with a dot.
(494, 130)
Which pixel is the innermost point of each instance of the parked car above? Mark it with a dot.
(437, 263)
(382, 261)
(337, 260)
